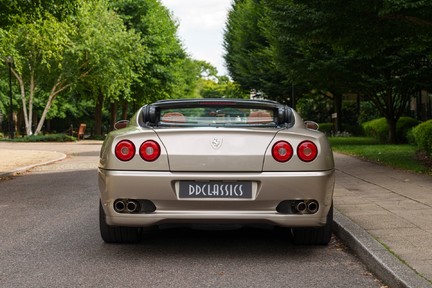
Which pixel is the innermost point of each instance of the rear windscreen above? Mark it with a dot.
(217, 116)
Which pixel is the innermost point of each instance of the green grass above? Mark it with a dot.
(400, 156)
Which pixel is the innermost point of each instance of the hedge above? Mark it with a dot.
(378, 129)
(423, 136)
(43, 138)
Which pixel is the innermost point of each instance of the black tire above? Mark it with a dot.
(117, 234)
(314, 236)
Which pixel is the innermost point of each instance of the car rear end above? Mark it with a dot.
(222, 174)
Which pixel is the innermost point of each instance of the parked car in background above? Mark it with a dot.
(216, 161)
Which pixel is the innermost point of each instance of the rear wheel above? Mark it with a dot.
(117, 234)
(314, 236)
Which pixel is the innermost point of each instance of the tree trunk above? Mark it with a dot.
(16, 123)
(30, 104)
(391, 115)
(27, 124)
(392, 134)
(44, 113)
(98, 113)
(125, 107)
(57, 88)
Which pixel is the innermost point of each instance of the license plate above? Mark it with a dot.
(235, 189)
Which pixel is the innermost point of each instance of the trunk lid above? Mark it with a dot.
(216, 149)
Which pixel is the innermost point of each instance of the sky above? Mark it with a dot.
(202, 23)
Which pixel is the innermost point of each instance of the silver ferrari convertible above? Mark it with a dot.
(216, 162)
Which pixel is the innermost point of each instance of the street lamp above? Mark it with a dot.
(9, 62)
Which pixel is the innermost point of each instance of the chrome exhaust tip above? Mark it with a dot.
(312, 206)
(132, 206)
(119, 206)
(300, 206)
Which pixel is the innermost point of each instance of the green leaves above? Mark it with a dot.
(381, 50)
(107, 53)
(101, 53)
(92, 53)
(249, 57)
(163, 70)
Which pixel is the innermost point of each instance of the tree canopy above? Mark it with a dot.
(37, 42)
(379, 49)
(249, 56)
(92, 54)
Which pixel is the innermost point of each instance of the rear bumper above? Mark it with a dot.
(270, 188)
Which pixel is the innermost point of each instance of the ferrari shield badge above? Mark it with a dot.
(216, 143)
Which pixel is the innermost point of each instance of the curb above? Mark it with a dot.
(373, 254)
(21, 169)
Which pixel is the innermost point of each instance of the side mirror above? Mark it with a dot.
(311, 125)
(121, 124)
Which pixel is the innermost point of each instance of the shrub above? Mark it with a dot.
(423, 136)
(378, 129)
(411, 138)
(403, 127)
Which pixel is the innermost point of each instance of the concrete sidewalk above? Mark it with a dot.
(395, 208)
(384, 215)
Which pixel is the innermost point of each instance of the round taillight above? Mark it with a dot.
(150, 150)
(125, 150)
(307, 151)
(282, 151)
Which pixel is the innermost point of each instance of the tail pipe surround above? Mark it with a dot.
(305, 206)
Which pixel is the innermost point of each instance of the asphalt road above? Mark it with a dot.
(49, 237)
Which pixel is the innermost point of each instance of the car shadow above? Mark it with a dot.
(197, 243)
